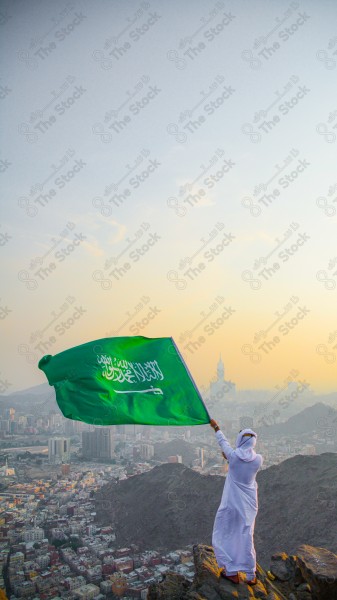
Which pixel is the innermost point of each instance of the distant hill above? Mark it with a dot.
(164, 507)
(312, 419)
(172, 505)
(38, 390)
(297, 505)
(40, 397)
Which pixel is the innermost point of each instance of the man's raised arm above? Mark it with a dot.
(224, 444)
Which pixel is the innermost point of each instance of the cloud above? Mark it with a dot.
(119, 234)
(96, 222)
(93, 248)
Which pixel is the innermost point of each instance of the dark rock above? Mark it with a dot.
(311, 575)
(304, 587)
(298, 577)
(209, 585)
(206, 566)
(304, 596)
(261, 573)
(173, 587)
(259, 590)
(288, 577)
(319, 569)
(276, 591)
(206, 591)
(282, 566)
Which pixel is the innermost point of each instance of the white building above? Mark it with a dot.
(106, 586)
(33, 535)
(146, 451)
(7, 471)
(43, 560)
(91, 530)
(201, 454)
(86, 592)
(58, 450)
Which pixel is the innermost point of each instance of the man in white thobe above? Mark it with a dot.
(233, 532)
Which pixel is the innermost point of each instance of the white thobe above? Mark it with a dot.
(233, 532)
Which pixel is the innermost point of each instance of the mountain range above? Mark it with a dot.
(316, 418)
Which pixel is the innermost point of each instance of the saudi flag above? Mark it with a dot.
(125, 380)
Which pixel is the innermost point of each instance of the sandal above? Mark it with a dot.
(232, 578)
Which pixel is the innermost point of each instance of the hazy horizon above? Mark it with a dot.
(298, 401)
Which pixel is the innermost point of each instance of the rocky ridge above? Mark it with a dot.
(311, 574)
(171, 506)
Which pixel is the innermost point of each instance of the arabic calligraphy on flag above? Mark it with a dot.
(119, 370)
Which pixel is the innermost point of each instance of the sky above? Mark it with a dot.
(169, 169)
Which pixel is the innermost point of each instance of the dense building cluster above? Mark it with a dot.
(51, 547)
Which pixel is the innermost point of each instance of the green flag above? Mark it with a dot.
(125, 380)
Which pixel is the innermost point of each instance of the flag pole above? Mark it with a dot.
(188, 371)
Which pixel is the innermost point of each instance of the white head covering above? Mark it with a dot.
(245, 445)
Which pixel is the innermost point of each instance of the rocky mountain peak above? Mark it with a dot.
(309, 575)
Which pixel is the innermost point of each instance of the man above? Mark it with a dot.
(233, 532)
